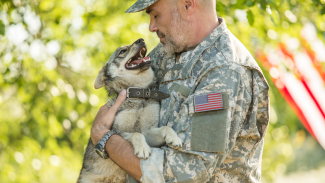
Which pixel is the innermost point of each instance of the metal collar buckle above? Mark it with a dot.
(128, 91)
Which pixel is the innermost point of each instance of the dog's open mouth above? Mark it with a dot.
(138, 60)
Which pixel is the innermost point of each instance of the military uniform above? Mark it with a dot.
(223, 145)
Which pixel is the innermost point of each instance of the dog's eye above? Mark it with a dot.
(122, 51)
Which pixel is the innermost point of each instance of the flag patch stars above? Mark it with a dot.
(208, 102)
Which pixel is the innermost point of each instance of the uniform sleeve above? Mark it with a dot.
(209, 136)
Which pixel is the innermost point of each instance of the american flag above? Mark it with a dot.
(208, 102)
(303, 84)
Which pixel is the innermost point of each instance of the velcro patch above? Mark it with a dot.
(208, 102)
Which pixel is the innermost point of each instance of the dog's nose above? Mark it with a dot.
(139, 41)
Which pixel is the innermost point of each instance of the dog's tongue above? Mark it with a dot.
(137, 62)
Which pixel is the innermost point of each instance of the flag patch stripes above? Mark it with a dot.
(208, 102)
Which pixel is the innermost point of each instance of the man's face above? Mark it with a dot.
(173, 31)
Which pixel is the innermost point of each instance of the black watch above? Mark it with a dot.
(100, 146)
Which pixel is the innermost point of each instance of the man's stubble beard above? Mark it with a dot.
(179, 35)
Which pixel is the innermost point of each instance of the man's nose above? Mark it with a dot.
(153, 27)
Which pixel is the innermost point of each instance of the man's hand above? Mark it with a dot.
(119, 150)
(105, 118)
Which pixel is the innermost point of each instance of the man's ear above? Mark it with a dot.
(189, 5)
(99, 82)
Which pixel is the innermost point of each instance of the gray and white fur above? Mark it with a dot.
(136, 119)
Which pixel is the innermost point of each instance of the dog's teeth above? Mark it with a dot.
(146, 60)
(129, 61)
(140, 54)
(139, 58)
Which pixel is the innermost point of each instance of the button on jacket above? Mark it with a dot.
(222, 145)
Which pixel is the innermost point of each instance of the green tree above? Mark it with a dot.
(52, 50)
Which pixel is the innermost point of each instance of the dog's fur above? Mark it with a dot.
(136, 119)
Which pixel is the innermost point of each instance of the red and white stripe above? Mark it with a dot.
(307, 105)
(302, 87)
(214, 103)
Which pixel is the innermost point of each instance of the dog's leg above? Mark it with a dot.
(157, 137)
(141, 148)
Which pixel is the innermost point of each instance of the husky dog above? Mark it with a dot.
(136, 119)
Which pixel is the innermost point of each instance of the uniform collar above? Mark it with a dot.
(183, 68)
(209, 40)
(205, 44)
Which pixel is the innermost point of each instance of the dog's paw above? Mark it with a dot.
(141, 148)
(171, 137)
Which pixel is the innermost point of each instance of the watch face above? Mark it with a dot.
(99, 147)
(100, 153)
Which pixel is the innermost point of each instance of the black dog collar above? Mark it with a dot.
(134, 92)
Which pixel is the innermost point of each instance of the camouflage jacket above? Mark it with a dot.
(221, 145)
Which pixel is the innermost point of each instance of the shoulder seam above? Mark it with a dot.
(221, 52)
(240, 76)
(261, 89)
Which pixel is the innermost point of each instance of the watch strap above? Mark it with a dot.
(100, 146)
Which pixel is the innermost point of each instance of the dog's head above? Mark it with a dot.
(127, 67)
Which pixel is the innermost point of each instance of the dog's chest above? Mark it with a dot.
(137, 115)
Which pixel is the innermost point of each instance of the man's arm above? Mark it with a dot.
(119, 150)
(122, 153)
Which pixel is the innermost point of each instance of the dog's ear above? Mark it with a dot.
(99, 82)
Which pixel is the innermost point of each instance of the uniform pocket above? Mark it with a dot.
(184, 167)
(170, 107)
(173, 107)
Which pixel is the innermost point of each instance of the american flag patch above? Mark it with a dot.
(208, 102)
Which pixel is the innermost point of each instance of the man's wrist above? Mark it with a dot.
(102, 127)
(97, 134)
(100, 147)
(110, 140)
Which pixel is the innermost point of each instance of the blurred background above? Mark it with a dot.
(52, 50)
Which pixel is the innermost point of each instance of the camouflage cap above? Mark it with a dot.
(140, 5)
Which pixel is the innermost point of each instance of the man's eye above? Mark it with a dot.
(156, 16)
(122, 51)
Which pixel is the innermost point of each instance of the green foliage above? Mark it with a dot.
(250, 17)
(250, 3)
(47, 98)
(2, 28)
(322, 12)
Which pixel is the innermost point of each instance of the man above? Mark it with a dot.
(198, 56)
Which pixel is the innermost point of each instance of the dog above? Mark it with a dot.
(136, 119)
